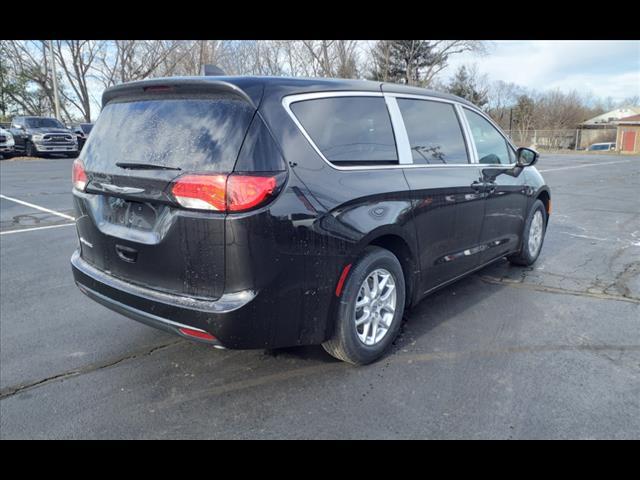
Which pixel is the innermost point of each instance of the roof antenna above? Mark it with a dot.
(211, 71)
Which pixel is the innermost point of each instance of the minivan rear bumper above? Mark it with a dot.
(222, 318)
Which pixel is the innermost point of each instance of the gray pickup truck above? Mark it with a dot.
(40, 136)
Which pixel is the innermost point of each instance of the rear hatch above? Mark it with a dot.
(128, 222)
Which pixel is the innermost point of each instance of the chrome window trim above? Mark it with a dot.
(397, 124)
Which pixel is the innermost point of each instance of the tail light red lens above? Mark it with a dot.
(245, 191)
(78, 175)
(201, 192)
(224, 193)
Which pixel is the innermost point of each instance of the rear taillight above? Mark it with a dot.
(245, 192)
(201, 192)
(78, 175)
(223, 193)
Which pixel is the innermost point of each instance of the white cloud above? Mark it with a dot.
(604, 68)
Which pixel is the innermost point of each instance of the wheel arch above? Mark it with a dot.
(397, 243)
(545, 197)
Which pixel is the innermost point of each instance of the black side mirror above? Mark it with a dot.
(527, 157)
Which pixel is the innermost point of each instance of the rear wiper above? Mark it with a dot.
(145, 166)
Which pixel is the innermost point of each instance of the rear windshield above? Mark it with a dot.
(191, 134)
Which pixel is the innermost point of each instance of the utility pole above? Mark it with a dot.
(511, 122)
(55, 81)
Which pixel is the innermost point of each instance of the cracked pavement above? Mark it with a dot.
(551, 351)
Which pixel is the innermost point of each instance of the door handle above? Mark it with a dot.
(128, 254)
(478, 186)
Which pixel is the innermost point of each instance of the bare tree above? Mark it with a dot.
(502, 98)
(76, 59)
(128, 60)
(443, 50)
(28, 78)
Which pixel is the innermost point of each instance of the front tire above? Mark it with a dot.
(370, 310)
(533, 237)
(30, 150)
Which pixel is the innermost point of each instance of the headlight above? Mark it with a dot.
(10, 141)
(37, 137)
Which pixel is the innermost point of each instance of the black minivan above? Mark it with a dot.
(260, 212)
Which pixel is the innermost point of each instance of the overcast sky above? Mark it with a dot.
(599, 67)
(604, 68)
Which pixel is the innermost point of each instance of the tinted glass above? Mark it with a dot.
(492, 147)
(86, 127)
(192, 134)
(434, 132)
(43, 123)
(349, 130)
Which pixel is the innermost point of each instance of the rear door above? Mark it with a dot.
(128, 223)
(447, 195)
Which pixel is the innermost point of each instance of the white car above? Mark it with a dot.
(7, 143)
(602, 146)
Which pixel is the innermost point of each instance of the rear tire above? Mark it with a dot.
(350, 342)
(533, 237)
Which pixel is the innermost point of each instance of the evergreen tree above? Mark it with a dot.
(465, 84)
(401, 61)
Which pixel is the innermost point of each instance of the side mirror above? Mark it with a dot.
(19, 127)
(527, 157)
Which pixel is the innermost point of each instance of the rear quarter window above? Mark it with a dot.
(203, 134)
(349, 130)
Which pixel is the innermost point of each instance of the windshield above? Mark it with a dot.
(190, 134)
(43, 123)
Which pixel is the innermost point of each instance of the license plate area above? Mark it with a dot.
(135, 215)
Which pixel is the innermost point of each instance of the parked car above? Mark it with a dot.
(39, 136)
(81, 131)
(7, 144)
(602, 146)
(251, 212)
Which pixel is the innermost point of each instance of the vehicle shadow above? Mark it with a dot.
(435, 309)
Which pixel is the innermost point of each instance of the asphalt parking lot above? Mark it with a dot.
(551, 351)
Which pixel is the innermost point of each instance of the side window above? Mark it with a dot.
(434, 132)
(349, 130)
(491, 145)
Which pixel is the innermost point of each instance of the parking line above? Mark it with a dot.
(582, 166)
(20, 230)
(38, 207)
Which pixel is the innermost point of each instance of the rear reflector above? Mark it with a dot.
(197, 334)
(78, 175)
(232, 193)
